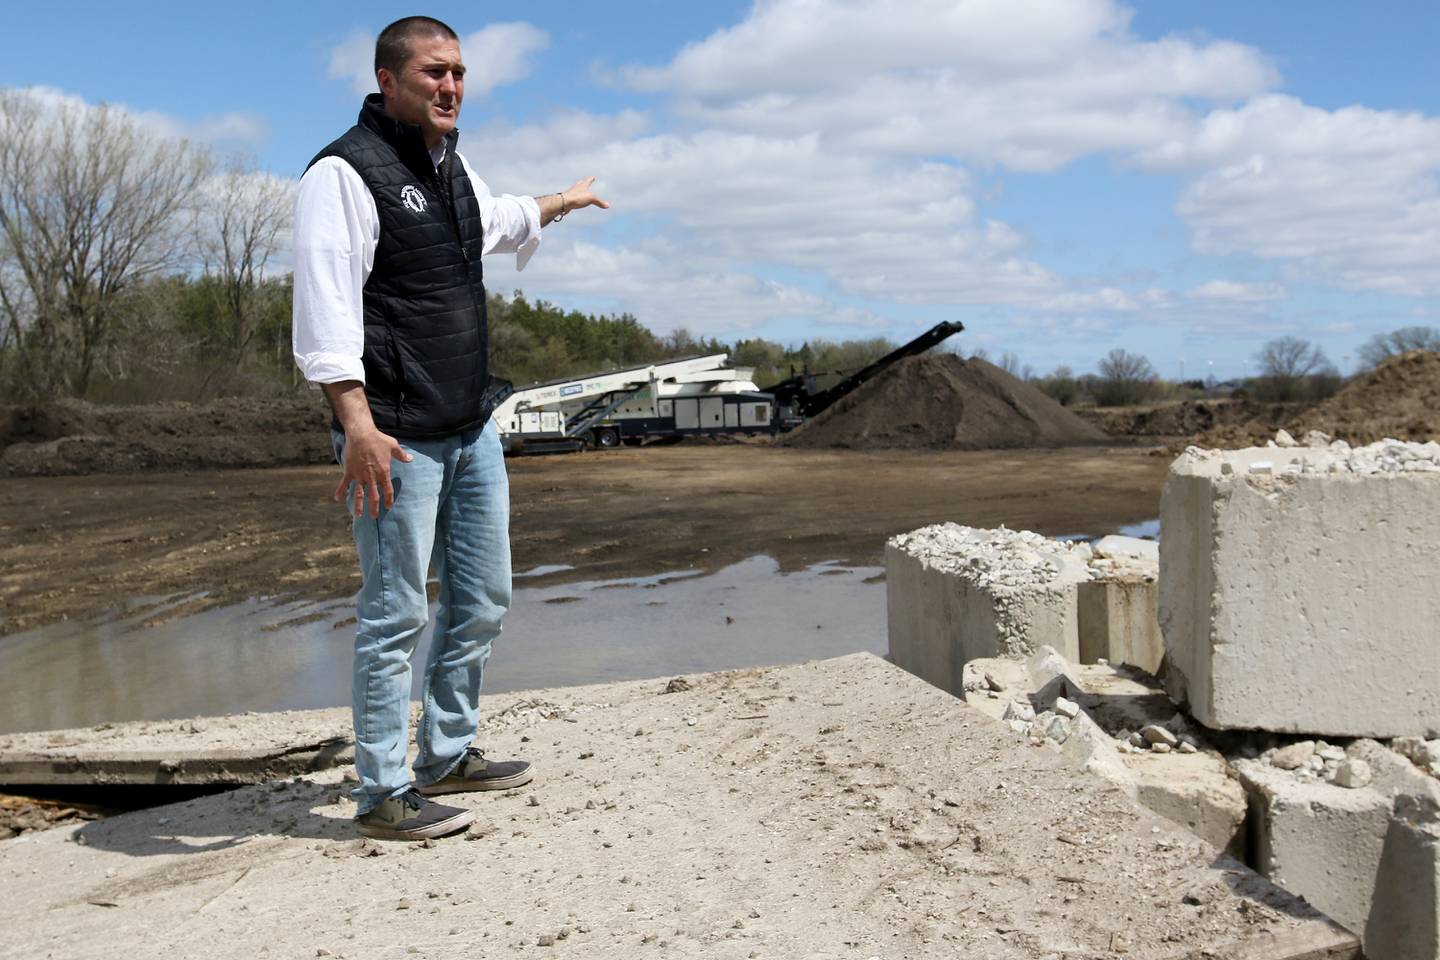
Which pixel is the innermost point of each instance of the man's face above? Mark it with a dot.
(428, 90)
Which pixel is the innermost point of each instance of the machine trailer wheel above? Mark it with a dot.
(606, 437)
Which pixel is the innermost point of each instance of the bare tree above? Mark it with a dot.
(245, 217)
(1011, 363)
(1061, 385)
(90, 203)
(1287, 364)
(1125, 378)
(1383, 346)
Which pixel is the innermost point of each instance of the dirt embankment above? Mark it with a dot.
(939, 401)
(71, 437)
(1398, 399)
(1186, 418)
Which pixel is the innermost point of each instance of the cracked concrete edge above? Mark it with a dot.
(173, 767)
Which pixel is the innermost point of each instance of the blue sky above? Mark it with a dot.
(1066, 176)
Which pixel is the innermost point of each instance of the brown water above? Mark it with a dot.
(265, 656)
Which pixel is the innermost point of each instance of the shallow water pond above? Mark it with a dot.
(266, 656)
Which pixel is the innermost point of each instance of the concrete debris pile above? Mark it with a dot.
(1298, 718)
(938, 400)
(1116, 724)
(1009, 592)
(1317, 453)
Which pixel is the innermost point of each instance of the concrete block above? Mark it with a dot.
(1117, 621)
(1317, 840)
(1195, 791)
(955, 593)
(1302, 599)
(1404, 922)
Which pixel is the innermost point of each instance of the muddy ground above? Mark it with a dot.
(85, 546)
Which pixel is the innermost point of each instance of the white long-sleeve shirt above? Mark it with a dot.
(337, 228)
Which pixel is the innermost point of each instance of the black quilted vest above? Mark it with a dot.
(426, 340)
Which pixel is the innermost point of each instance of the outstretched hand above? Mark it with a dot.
(579, 194)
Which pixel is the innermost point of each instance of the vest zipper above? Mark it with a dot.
(447, 194)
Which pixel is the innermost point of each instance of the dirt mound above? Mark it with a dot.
(73, 437)
(1399, 399)
(941, 401)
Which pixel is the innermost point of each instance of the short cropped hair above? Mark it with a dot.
(392, 47)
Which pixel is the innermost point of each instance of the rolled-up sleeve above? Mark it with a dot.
(511, 223)
(336, 230)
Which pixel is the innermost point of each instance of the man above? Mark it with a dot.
(390, 227)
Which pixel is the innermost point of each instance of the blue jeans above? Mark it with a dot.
(452, 512)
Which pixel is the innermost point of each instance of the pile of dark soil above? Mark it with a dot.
(72, 437)
(939, 401)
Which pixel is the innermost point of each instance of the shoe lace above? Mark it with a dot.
(413, 799)
(474, 753)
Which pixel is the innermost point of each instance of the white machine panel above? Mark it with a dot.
(687, 414)
(712, 412)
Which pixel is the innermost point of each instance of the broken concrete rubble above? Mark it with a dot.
(1257, 568)
(1296, 599)
(956, 593)
(1194, 790)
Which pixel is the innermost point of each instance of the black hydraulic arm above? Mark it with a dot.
(810, 404)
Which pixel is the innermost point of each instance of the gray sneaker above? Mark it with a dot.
(412, 817)
(476, 773)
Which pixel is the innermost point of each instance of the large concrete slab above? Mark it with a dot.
(1297, 589)
(839, 809)
(247, 748)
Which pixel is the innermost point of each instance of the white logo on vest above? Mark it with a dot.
(411, 196)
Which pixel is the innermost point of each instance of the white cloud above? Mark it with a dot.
(236, 130)
(867, 225)
(1345, 197)
(1032, 86)
(353, 59)
(498, 54)
(1237, 292)
(667, 287)
(841, 145)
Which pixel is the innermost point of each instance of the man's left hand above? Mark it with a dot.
(578, 194)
